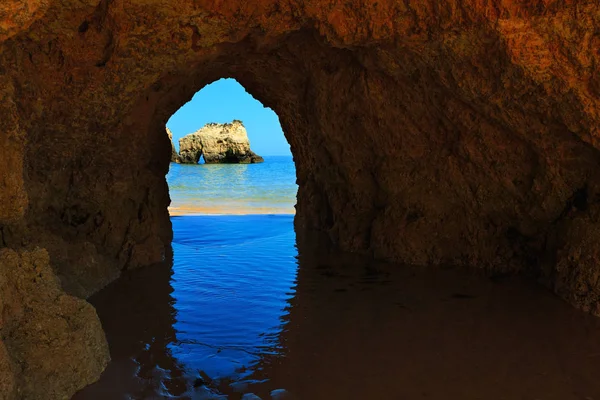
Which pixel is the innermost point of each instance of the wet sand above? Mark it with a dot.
(190, 209)
(233, 189)
(349, 327)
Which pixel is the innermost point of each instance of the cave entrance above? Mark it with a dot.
(246, 166)
(234, 257)
(215, 313)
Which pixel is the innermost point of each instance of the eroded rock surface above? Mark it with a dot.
(174, 155)
(51, 344)
(219, 144)
(460, 132)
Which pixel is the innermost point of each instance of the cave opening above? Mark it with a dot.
(233, 263)
(435, 136)
(232, 188)
(246, 166)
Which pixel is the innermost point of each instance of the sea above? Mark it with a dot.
(246, 309)
(225, 189)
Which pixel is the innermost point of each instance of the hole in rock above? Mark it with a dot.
(245, 307)
(204, 325)
(247, 167)
(233, 176)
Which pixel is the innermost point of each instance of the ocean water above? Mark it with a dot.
(265, 188)
(245, 306)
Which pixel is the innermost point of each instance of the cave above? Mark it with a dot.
(459, 133)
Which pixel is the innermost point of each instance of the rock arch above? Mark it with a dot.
(458, 132)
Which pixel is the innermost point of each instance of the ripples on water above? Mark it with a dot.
(242, 310)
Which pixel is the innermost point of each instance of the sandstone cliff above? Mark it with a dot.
(455, 132)
(174, 155)
(218, 144)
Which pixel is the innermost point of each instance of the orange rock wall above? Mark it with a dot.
(427, 132)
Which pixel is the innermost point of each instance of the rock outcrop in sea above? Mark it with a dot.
(219, 144)
(174, 155)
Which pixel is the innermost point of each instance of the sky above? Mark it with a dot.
(226, 100)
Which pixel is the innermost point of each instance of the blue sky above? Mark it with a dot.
(226, 100)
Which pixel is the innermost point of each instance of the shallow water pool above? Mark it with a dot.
(242, 308)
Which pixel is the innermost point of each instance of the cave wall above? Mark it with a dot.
(460, 132)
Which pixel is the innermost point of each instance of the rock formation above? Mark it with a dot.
(219, 144)
(174, 155)
(42, 330)
(456, 132)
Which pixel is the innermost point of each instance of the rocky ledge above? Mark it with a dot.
(219, 144)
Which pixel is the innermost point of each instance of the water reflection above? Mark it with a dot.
(354, 329)
(199, 325)
(137, 315)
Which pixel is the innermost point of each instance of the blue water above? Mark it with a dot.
(231, 306)
(243, 306)
(265, 188)
(240, 309)
(215, 311)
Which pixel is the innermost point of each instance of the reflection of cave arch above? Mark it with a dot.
(428, 135)
(148, 320)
